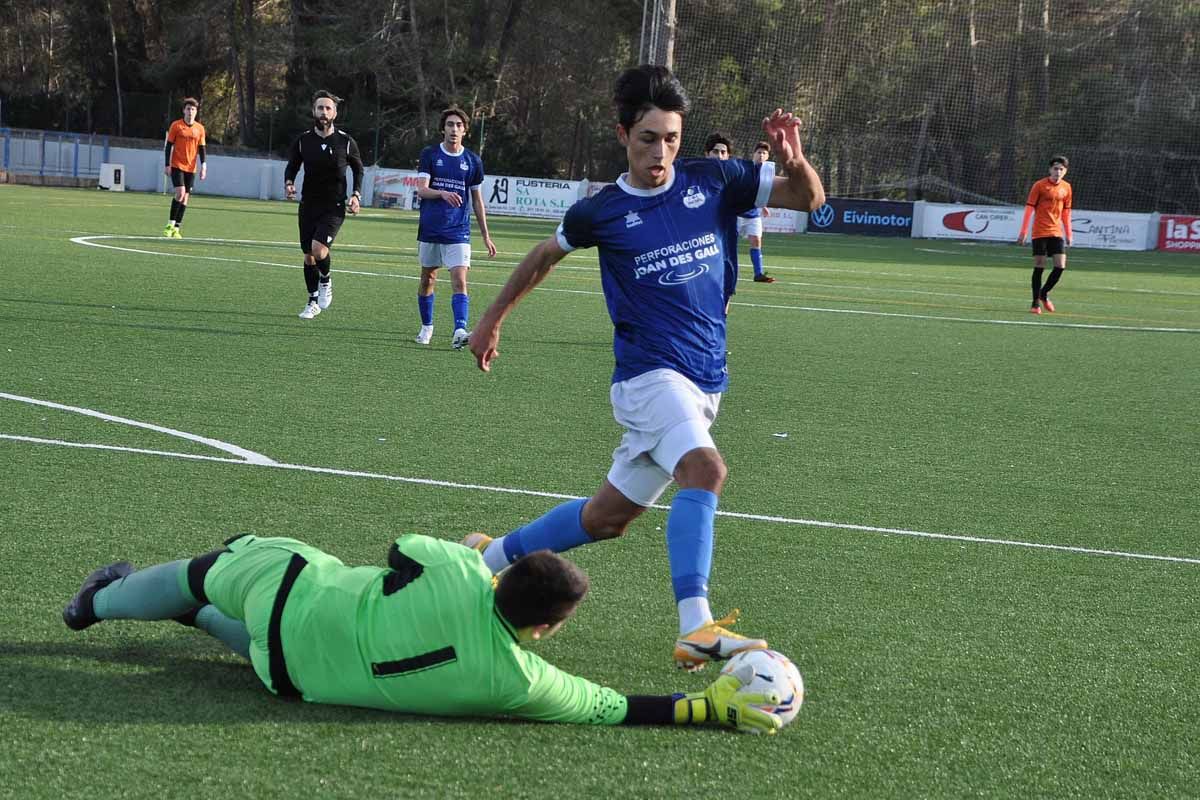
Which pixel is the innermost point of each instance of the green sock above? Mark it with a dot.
(151, 593)
(230, 631)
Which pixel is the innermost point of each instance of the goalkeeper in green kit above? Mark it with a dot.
(432, 633)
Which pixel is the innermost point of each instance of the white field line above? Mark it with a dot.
(979, 321)
(247, 455)
(89, 242)
(345, 473)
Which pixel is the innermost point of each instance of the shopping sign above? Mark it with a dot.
(1178, 233)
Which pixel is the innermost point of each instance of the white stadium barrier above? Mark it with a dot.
(1109, 230)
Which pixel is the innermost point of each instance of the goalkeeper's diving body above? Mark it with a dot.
(431, 633)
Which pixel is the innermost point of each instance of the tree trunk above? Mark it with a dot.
(1044, 76)
(235, 69)
(112, 30)
(1006, 178)
(415, 50)
(251, 47)
(916, 165)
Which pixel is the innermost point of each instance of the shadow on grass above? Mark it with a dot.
(161, 681)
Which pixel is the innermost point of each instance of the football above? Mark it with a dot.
(772, 671)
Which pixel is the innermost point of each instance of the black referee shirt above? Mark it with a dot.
(324, 160)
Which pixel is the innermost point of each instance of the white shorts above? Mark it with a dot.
(749, 227)
(443, 255)
(665, 416)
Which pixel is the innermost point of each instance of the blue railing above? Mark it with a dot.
(34, 152)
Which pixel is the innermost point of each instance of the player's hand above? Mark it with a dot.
(483, 343)
(203, 171)
(735, 709)
(354, 205)
(453, 198)
(1070, 242)
(290, 191)
(783, 131)
(491, 246)
(766, 212)
(1021, 240)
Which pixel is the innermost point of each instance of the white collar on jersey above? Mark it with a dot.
(623, 183)
(447, 152)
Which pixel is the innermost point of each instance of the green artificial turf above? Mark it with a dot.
(941, 507)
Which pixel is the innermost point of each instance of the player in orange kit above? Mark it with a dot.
(185, 143)
(1049, 204)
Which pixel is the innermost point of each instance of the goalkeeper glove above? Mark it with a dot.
(724, 703)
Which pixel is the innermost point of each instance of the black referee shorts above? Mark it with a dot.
(182, 178)
(1048, 246)
(320, 223)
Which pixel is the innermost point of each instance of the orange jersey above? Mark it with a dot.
(185, 141)
(1049, 200)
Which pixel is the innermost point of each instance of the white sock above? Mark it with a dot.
(693, 613)
(493, 555)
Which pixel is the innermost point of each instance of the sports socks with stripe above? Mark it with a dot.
(425, 306)
(689, 551)
(460, 305)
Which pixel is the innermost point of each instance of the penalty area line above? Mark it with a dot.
(347, 473)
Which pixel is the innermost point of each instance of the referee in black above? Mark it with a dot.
(324, 152)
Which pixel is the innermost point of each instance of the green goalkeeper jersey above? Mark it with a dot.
(424, 637)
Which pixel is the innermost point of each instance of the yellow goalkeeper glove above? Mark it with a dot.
(724, 703)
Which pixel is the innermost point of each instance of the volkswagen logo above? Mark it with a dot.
(822, 217)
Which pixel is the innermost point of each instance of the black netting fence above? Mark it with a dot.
(955, 100)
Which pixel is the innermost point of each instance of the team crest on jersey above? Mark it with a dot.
(462, 165)
(694, 198)
(632, 220)
(323, 148)
(439, 162)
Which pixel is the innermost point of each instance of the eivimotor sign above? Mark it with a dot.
(869, 217)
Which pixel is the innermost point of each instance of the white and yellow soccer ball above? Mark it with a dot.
(772, 672)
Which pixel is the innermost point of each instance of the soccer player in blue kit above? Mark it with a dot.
(449, 177)
(661, 230)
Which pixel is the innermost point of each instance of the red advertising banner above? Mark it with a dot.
(1180, 234)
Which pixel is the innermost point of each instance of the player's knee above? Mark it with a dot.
(702, 469)
(605, 523)
(610, 527)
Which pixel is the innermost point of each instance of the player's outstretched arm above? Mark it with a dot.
(801, 190)
(532, 270)
(722, 703)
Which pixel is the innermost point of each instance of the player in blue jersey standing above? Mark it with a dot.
(448, 182)
(749, 224)
(661, 234)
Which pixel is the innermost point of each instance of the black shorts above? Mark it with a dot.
(320, 223)
(181, 178)
(1048, 246)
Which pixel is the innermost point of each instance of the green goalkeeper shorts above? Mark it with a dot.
(245, 582)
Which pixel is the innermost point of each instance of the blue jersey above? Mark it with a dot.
(442, 223)
(751, 214)
(663, 263)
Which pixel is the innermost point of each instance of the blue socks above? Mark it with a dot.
(690, 541)
(558, 529)
(756, 259)
(460, 304)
